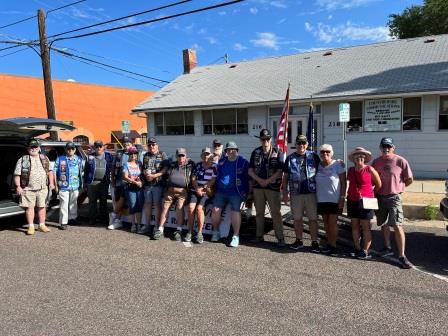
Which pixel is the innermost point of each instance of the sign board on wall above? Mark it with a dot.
(382, 115)
(125, 126)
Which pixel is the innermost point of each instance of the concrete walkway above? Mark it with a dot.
(427, 186)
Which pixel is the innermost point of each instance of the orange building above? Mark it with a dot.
(95, 110)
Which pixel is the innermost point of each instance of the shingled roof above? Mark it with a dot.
(394, 67)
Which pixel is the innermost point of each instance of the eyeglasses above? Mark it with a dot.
(301, 143)
(152, 144)
(265, 139)
(98, 146)
(70, 148)
(325, 151)
(360, 156)
(34, 147)
(216, 145)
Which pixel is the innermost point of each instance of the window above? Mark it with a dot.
(143, 138)
(355, 123)
(412, 114)
(174, 123)
(225, 121)
(443, 113)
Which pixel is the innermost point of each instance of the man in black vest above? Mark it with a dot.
(32, 176)
(265, 168)
(97, 175)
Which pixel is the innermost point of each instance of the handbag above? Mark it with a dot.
(366, 203)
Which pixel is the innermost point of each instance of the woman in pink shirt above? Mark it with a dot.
(363, 179)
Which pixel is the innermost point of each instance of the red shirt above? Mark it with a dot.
(393, 172)
(360, 183)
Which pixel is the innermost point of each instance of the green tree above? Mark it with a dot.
(429, 19)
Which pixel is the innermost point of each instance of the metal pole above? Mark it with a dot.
(46, 70)
(344, 138)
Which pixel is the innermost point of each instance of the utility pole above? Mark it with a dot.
(46, 70)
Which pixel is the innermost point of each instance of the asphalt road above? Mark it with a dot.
(90, 281)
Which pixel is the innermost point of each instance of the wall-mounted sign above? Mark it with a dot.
(344, 112)
(382, 115)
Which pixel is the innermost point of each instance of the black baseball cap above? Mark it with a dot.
(152, 140)
(98, 143)
(33, 143)
(387, 142)
(264, 134)
(217, 142)
(70, 144)
(126, 139)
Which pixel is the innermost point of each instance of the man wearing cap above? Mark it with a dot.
(200, 195)
(155, 165)
(265, 168)
(232, 187)
(396, 174)
(32, 177)
(178, 182)
(97, 177)
(118, 195)
(68, 169)
(217, 150)
(300, 178)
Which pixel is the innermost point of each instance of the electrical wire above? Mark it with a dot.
(14, 52)
(121, 18)
(108, 65)
(114, 72)
(32, 17)
(149, 21)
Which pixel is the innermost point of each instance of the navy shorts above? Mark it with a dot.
(119, 192)
(221, 200)
(328, 208)
(354, 210)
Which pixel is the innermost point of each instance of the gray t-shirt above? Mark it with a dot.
(328, 183)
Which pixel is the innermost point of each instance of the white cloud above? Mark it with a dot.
(211, 40)
(300, 50)
(202, 31)
(281, 21)
(253, 10)
(330, 17)
(71, 80)
(308, 27)
(349, 32)
(266, 40)
(344, 4)
(272, 3)
(222, 13)
(196, 47)
(239, 47)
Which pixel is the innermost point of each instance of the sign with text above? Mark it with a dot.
(382, 115)
(125, 126)
(344, 112)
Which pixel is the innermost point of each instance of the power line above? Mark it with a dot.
(114, 72)
(32, 17)
(121, 18)
(14, 52)
(150, 21)
(107, 65)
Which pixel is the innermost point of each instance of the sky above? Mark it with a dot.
(248, 30)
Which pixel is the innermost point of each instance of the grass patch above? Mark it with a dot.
(432, 212)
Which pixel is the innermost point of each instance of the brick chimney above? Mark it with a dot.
(190, 61)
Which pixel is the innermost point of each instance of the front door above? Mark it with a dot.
(296, 125)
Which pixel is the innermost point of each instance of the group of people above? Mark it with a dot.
(313, 182)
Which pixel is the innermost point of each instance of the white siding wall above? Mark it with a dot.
(194, 143)
(426, 150)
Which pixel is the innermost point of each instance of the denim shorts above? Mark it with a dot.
(221, 200)
(118, 192)
(153, 194)
(134, 201)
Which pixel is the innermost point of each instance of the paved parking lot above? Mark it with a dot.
(90, 281)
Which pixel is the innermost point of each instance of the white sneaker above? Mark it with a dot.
(112, 217)
(144, 228)
(134, 228)
(116, 224)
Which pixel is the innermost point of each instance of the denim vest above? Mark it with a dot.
(294, 179)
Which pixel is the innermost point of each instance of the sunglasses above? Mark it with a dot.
(152, 144)
(180, 155)
(265, 139)
(98, 146)
(301, 143)
(34, 147)
(70, 148)
(386, 146)
(359, 156)
(325, 151)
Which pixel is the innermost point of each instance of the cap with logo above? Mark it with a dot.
(264, 134)
(98, 143)
(387, 141)
(217, 142)
(301, 138)
(152, 140)
(70, 144)
(181, 151)
(231, 145)
(33, 143)
(126, 139)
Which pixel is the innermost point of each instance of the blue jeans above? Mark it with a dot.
(135, 200)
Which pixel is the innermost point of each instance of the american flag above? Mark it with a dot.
(282, 135)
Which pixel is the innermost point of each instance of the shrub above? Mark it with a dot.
(431, 212)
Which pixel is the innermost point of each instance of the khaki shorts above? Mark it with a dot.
(34, 198)
(306, 203)
(175, 194)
